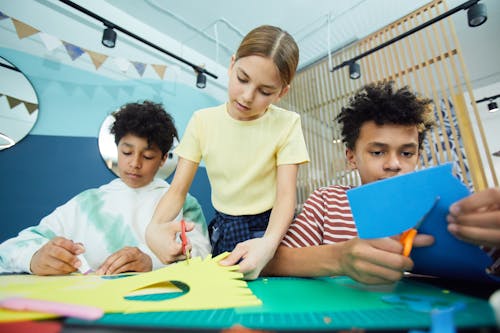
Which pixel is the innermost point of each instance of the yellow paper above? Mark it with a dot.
(10, 316)
(211, 286)
(159, 288)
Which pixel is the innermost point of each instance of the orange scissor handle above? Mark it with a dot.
(407, 241)
(184, 240)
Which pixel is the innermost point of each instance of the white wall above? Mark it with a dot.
(480, 47)
(490, 123)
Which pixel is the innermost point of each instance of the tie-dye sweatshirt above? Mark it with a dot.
(104, 220)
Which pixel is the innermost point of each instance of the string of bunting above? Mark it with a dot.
(13, 102)
(51, 42)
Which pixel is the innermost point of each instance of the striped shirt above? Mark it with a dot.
(326, 218)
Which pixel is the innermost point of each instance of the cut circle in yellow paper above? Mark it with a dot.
(211, 286)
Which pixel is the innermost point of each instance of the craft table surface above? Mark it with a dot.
(301, 304)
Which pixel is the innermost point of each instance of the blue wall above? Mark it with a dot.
(60, 156)
(42, 172)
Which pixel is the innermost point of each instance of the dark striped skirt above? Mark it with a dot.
(226, 231)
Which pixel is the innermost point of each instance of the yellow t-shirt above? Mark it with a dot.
(241, 157)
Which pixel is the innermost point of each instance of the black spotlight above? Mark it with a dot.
(201, 80)
(477, 15)
(109, 37)
(492, 106)
(354, 71)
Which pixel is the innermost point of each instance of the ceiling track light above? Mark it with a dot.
(109, 37)
(492, 105)
(201, 80)
(476, 11)
(110, 30)
(477, 14)
(354, 71)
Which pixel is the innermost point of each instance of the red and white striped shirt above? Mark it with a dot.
(326, 218)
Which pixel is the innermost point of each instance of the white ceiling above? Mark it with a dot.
(215, 28)
(207, 33)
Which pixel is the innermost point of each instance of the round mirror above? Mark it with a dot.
(109, 151)
(18, 105)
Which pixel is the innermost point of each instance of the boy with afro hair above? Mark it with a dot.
(383, 129)
(106, 226)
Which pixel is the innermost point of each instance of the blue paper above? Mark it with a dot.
(391, 206)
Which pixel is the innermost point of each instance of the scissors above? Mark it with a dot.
(408, 236)
(184, 240)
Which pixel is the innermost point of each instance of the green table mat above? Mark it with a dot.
(325, 303)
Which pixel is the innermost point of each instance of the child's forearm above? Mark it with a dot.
(169, 206)
(284, 206)
(172, 201)
(280, 219)
(319, 260)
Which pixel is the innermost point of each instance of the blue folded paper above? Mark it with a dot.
(391, 206)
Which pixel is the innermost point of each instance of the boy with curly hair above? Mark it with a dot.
(107, 224)
(383, 129)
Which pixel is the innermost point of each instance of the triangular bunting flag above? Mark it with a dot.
(31, 107)
(50, 42)
(122, 63)
(73, 50)
(42, 85)
(88, 89)
(160, 70)
(13, 102)
(68, 87)
(158, 89)
(97, 58)
(140, 67)
(23, 30)
(128, 90)
(111, 90)
(157, 86)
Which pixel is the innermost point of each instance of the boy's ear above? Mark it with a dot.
(351, 158)
(163, 159)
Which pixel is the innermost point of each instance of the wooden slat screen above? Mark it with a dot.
(430, 63)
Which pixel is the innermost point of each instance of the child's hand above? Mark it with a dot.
(128, 259)
(254, 255)
(58, 256)
(422, 240)
(374, 261)
(161, 239)
(476, 219)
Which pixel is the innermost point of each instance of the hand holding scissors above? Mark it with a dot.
(407, 239)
